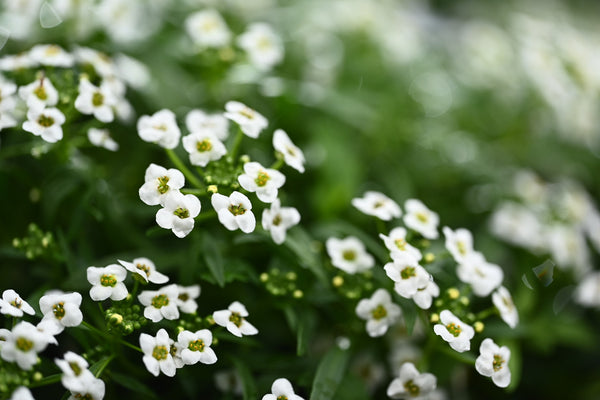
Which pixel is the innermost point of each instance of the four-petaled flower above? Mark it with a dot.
(277, 220)
(12, 304)
(454, 331)
(398, 246)
(263, 46)
(93, 389)
(408, 275)
(39, 94)
(264, 181)
(421, 219)
(23, 344)
(145, 269)
(504, 303)
(282, 390)
(160, 128)
(207, 29)
(234, 211)
(203, 147)
(234, 319)
(158, 183)
(378, 205)
(45, 122)
(459, 243)
(178, 213)
(160, 303)
(186, 300)
(157, 353)
(493, 362)
(411, 384)
(349, 254)
(75, 371)
(379, 311)
(199, 121)
(292, 155)
(95, 100)
(107, 282)
(61, 309)
(250, 122)
(194, 347)
(483, 276)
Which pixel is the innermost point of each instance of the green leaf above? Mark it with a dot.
(213, 258)
(302, 245)
(329, 374)
(133, 384)
(249, 388)
(409, 313)
(515, 365)
(303, 324)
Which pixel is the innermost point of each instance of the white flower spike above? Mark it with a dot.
(178, 213)
(265, 182)
(234, 212)
(282, 389)
(107, 282)
(292, 155)
(379, 311)
(234, 319)
(493, 362)
(378, 205)
(454, 331)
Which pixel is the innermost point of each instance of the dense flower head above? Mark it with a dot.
(178, 213)
(160, 128)
(493, 362)
(158, 183)
(265, 182)
(454, 331)
(411, 384)
(282, 389)
(234, 319)
(379, 311)
(12, 304)
(107, 282)
(378, 205)
(292, 155)
(234, 211)
(421, 219)
(250, 121)
(349, 254)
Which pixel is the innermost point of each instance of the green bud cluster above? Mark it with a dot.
(223, 173)
(353, 286)
(280, 283)
(124, 319)
(193, 322)
(12, 377)
(37, 243)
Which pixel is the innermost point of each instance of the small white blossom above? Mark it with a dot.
(186, 301)
(504, 303)
(203, 147)
(208, 29)
(194, 347)
(199, 121)
(7, 104)
(234, 319)
(158, 183)
(160, 303)
(265, 182)
(398, 246)
(93, 389)
(454, 331)
(178, 213)
(587, 292)
(160, 128)
(95, 100)
(250, 122)
(349, 254)
(292, 155)
(277, 220)
(23, 345)
(14, 62)
(459, 243)
(21, 393)
(157, 353)
(379, 311)
(12, 304)
(39, 94)
(144, 268)
(424, 296)
(378, 205)
(107, 282)
(46, 122)
(51, 55)
(483, 276)
(101, 62)
(263, 46)
(421, 219)
(62, 309)
(234, 211)
(408, 276)
(75, 371)
(282, 389)
(101, 138)
(412, 384)
(493, 362)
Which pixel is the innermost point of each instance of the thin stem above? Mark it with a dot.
(93, 328)
(48, 380)
(101, 308)
(131, 346)
(106, 335)
(184, 169)
(136, 285)
(486, 313)
(104, 364)
(236, 144)
(197, 192)
(278, 164)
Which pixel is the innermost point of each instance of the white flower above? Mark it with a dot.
(483, 276)
(95, 100)
(158, 182)
(12, 304)
(178, 213)
(378, 205)
(7, 104)
(264, 181)
(21, 393)
(101, 63)
(493, 361)
(157, 353)
(101, 138)
(62, 309)
(203, 147)
(292, 155)
(349, 254)
(144, 268)
(421, 219)
(234, 320)
(23, 345)
(75, 371)
(587, 292)
(234, 211)
(263, 46)
(160, 128)
(93, 389)
(379, 311)
(454, 331)
(249, 121)
(199, 121)
(504, 303)
(51, 55)
(46, 123)
(39, 94)
(186, 301)
(459, 243)
(160, 303)
(107, 282)
(411, 384)
(194, 347)
(424, 296)
(281, 389)
(208, 29)
(408, 275)
(277, 220)
(398, 246)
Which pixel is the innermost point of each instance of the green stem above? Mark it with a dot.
(236, 144)
(184, 169)
(197, 192)
(277, 164)
(107, 335)
(486, 313)
(48, 380)
(136, 285)
(104, 364)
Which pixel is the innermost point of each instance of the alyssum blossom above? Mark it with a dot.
(421, 219)
(160, 303)
(250, 122)
(424, 296)
(194, 347)
(145, 269)
(75, 371)
(61, 309)
(107, 282)
(178, 213)
(379, 311)
(234, 319)
(160, 128)
(408, 275)
(158, 182)
(23, 345)
(493, 362)
(504, 303)
(411, 384)
(208, 29)
(21, 393)
(263, 46)
(203, 147)
(265, 182)
(454, 331)
(396, 243)
(157, 353)
(12, 304)
(458, 242)
(277, 220)
(234, 211)
(378, 205)
(349, 254)
(39, 94)
(45, 122)
(292, 155)
(186, 300)
(101, 138)
(93, 389)
(95, 100)
(483, 276)
(280, 390)
(199, 121)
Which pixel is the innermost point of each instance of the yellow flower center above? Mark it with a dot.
(160, 353)
(108, 280)
(182, 213)
(349, 255)
(247, 112)
(204, 145)
(75, 368)
(262, 178)
(277, 220)
(196, 345)
(400, 244)
(454, 329)
(408, 272)
(462, 248)
(160, 301)
(40, 92)
(97, 99)
(412, 388)
(236, 210)
(17, 303)
(45, 121)
(59, 310)
(421, 216)
(143, 267)
(24, 344)
(498, 362)
(236, 318)
(163, 187)
(379, 312)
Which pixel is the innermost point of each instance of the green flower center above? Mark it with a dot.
(400, 244)
(454, 329)
(97, 99)
(160, 301)
(262, 178)
(247, 112)
(108, 280)
(378, 204)
(182, 213)
(236, 210)
(17, 303)
(184, 297)
(379, 312)
(277, 220)
(40, 93)
(422, 217)
(143, 267)
(45, 121)
(412, 388)
(236, 318)
(196, 345)
(59, 310)
(282, 397)
(24, 344)
(163, 187)
(160, 353)
(204, 145)
(76, 368)
(408, 272)
(462, 249)
(349, 255)
(498, 362)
